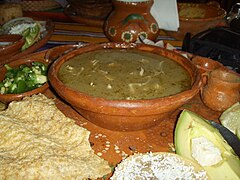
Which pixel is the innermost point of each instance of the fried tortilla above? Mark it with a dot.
(37, 141)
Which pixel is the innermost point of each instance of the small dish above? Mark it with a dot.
(45, 36)
(6, 98)
(10, 44)
(197, 17)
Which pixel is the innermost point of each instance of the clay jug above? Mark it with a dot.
(222, 89)
(129, 20)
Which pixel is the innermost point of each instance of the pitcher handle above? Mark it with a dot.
(204, 77)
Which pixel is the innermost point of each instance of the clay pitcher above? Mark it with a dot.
(129, 20)
(222, 89)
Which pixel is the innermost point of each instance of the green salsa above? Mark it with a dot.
(124, 75)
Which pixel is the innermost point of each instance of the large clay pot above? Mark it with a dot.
(125, 115)
(222, 89)
(129, 20)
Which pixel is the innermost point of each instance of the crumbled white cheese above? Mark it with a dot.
(205, 152)
(156, 166)
(18, 29)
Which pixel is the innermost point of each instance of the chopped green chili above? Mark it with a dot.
(23, 78)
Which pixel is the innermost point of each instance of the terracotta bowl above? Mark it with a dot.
(125, 115)
(45, 36)
(6, 98)
(10, 44)
(197, 17)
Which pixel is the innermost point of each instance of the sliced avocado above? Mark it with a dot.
(191, 126)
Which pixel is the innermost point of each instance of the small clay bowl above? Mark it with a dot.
(124, 115)
(193, 21)
(10, 44)
(6, 98)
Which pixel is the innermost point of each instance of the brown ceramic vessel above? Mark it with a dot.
(206, 64)
(6, 98)
(212, 16)
(129, 20)
(12, 45)
(58, 51)
(222, 89)
(93, 9)
(45, 36)
(125, 115)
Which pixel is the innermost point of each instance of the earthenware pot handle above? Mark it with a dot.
(204, 77)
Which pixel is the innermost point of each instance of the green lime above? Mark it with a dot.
(230, 118)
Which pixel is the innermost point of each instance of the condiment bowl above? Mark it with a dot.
(6, 98)
(10, 44)
(197, 17)
(124, 115)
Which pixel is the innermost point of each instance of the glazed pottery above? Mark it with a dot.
(222, 89)
(58, 51)
(124, 115)
(129, 20)
(205, 65)
(10, 44)
(197, 18)
(44, 37)
(6, 98)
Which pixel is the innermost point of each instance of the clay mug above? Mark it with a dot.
(129, 20)
(205, 66)
(221, 90)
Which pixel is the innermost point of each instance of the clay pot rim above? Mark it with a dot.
(205, 63)
(16, 42)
